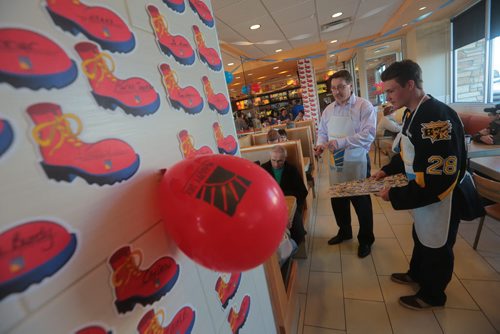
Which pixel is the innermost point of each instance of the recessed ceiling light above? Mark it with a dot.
(238, 77)
(337, 14)
(404, 25)
(230, 64)
(288, 75)
(282, 72)
(262, 77)
(275, 67)
(422, 8)
(255, 26)
(249, 74)
(279, 50)
(332, 56)
(334, 41)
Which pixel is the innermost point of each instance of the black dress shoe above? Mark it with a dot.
(364, 250)
(338, 239)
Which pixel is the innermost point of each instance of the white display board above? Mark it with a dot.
(97, 97)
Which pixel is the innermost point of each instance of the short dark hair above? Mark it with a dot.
(402, 72)
(343, 74)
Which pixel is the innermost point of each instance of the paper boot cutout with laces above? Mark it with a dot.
(135, 95)
(227, 290)
(31, 252)
(225, 145)
(98, 24)
(187, 146)
(207, 55)
(133, 285)
(6, 136)
(65, 156)
(175, 45)
(29, 59)
(200, 8)
(182, 323)
(186, 98)
(217, 102)
(237, 319)
(93, 330)
(177, 5)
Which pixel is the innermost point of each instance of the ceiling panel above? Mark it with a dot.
(277, 5)
(219, 4)
(271, 49)
(268, 31)
(243, 11)
(290, 14)
(369, 25)
(325, 9)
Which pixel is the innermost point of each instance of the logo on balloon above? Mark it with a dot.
(218, 187)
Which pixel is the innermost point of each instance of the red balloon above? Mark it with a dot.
(224, 212)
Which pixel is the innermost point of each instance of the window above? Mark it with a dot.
(470, 42)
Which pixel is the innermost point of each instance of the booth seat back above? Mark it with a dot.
(309, 123)
(245, 141)
(474, 122)
(305, 136)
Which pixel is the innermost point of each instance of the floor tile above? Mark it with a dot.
(455, 321)
(325, 227)
(318, 330)
(388, 257)
(325, 301)
(304, 266)
(487, 295)
(404, 320)
(403, 234)
(381, 227)
(398, 217)
(359, 278)
(366, 317)
(458, 296)
(325, 257)
(470, 265)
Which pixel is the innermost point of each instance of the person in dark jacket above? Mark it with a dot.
(292, 184)
(432, 154)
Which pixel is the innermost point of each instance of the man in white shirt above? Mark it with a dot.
(346, 130)
(388, 126)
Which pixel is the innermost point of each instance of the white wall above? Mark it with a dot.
(80, 291)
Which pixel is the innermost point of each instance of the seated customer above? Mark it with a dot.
(300, 116)
(292, 184)
(388, 127)
(283, 135)
(285, 116)
(490, 135)
(273, 137)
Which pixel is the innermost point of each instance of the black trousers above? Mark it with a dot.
(363, 207)
(432, 268)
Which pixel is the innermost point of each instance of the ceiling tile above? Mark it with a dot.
(243, 11)
(325, 9)
(277, 5)
(218, 4)
(290, 13)
(268, 31)
(369, 26)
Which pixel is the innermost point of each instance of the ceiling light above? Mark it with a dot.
(282, 72)
(288, 75)
(279, 50)
(238, 77)
(230, 64)
(275, 67)
(337, 14)
(262, 77)
(249, 74)
(422, 8)
(332, 56)
(334, 41)
(255, 26)
(404, 25)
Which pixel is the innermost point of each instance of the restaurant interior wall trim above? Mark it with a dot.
(97, 98)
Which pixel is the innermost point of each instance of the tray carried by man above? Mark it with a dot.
(366, 186)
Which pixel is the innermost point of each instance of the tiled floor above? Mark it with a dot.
(340, 293)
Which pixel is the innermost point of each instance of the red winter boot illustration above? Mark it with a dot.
(237, 319)
(6, 136)
(182, 323)
(227, 290)
(177, 45)
(200, 8)
(186, 98)
(187, 146)
(177, 5)
(135, 96)
(99, 24)
(226, 145)
(93, 330)
(31, 252)
(207, 55)
(217, 102)
(65, 156)
(133, 285)
(28, 59)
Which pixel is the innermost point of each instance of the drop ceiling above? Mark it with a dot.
(295, 27)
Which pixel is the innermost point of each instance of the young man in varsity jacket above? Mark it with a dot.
(432, 153)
